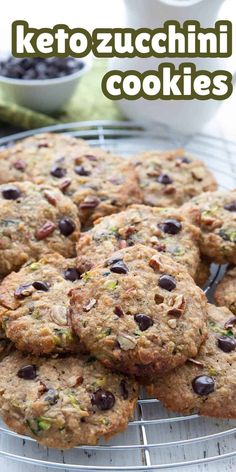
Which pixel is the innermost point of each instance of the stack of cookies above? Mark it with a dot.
(102, 264)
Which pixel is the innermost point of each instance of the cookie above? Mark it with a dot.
(171, 178)
(28, 157)
(64, 401)
(34, 304)
(217, 224)
(203, 272)
(34, 220)
(165, 230)
(98, 182)
(139, 312)
(205, 384)
(225, 294)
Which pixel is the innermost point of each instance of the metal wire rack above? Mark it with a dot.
(156, 439)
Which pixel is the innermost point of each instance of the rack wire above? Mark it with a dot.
(156, 439)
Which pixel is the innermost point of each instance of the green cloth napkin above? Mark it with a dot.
(87, 103)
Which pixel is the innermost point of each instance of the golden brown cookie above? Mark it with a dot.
(165, 230)
(64, 401)
(217, 223)
(32, 156)
(34, 306)
(98, 182)
(139, 312)
(170, 178)
(34, 220)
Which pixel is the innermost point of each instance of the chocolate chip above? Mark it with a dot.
(20, 165)
(39, 68)
(71, 274)
(144, 322)
(23, 290)
(226, 343)
(45, 230)
(118, 311)
(119, 267)
(160, 247)
(230, 323)
(124, 390)
(11, 193)
(42, 286)
(230, 206)
(28, 372)
(203, 385)
(80, 170)
(185, 160)
(167, 282)
(103, 399)
(52, 396)
(58, 172)
(66, 226)
(171, 226)
(89, 203)
(164, 179)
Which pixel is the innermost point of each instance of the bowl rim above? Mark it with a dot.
(57, 80)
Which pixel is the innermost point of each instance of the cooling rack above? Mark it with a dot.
(156, 439)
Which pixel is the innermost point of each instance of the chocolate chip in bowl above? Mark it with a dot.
(44, 85)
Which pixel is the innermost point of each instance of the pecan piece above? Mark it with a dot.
(118, 311)
(45, 230)
(158, 299)
(89, 203)
(50, 197)
(154, 263)
(64, 185)
(178, 307)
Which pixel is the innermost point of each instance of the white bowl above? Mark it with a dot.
(44, 95)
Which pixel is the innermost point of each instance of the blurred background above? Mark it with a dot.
(87, 101)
